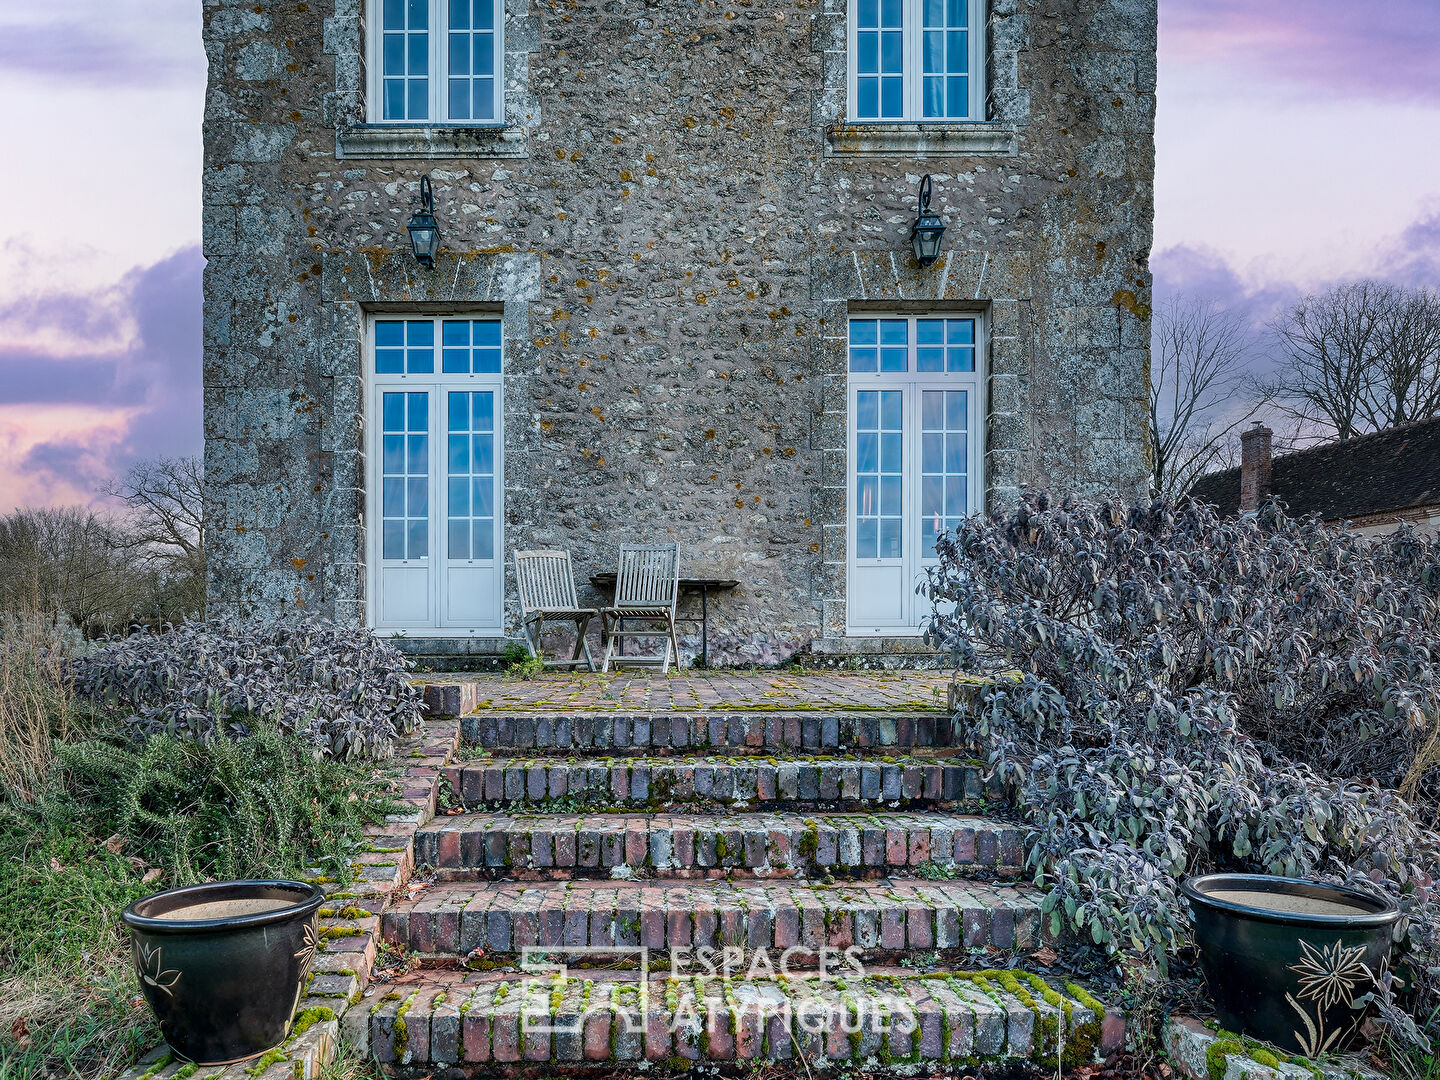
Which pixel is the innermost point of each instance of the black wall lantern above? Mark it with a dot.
(928, 228)
(424, 229)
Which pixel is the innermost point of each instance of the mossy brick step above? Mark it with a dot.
(744, 732)
(782, 844)
(887, 1017)
(712, 781)
(878, 916)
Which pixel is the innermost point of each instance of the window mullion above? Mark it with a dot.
(914, 58)
(439, 34)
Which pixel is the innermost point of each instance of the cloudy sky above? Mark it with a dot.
(1299, 142)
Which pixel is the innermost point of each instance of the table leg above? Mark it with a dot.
(704, 626)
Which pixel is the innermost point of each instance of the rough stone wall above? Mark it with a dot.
(674, 228)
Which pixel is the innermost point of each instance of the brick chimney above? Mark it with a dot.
(1254, 466)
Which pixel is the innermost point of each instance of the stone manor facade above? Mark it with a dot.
(675, 298)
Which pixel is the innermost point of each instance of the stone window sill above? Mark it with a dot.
(436, 141)
(929, 140)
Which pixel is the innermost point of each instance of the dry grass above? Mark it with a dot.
(37, 700)
(1422, 780)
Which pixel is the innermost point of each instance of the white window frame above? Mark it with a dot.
(439, 69)
(913, 18)
(915, 381)
(437, 384)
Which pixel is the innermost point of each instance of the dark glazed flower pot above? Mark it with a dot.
(223, 965)
(1286, 960)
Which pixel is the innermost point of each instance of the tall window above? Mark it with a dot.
(916, 60)
(439, 61)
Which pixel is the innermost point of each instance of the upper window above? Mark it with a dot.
(437, 61)
(916, 60)
(924, 346)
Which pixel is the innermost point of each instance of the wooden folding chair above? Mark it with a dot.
(647, 588)
(546, 585)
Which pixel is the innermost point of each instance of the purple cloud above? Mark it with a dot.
(130, 355)
(76, 53)
(1336, 48)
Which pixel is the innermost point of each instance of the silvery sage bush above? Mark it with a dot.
(1174, 693)
(342, 689)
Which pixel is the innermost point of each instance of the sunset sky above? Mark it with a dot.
(1299, 142)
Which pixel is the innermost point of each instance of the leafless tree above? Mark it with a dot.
(1198, 392)
(166, 522)
(71, 560)
(1359, 357)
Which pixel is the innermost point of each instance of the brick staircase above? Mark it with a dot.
(818, 887)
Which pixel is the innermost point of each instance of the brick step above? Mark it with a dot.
(880, 917)
(747, 732)
(712, 781)
(709, 845)
(887, 1016)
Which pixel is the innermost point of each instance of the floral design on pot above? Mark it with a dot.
(152, 971)
(1328, 977)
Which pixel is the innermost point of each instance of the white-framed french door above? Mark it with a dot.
(915, 447)
(435, 484)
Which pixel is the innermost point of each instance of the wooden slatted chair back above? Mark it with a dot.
(649, 576)
(545, 581)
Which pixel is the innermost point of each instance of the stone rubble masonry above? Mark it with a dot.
(1188, 1043)
(875, 916)
(713, 781)
(673, 228)
(710, 845)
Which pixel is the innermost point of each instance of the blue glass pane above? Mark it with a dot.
(459, 454)
(890, 495)
(389, 335)
(484, 540)
(394, 454)
(954, 453)
(456, 361)
(459, 505)
(867, 496)
(955, 499)
(459, 405)
(419, 14)
(419, 540)
(484, 54)
(459, 56)
(419, 455)
(484, 99)
(482, 447)
(890, 460)
(420, 334)
(393, 412)
(959, 14)
(892, 97)
(867, 453)
(487, 333)
(460, 539)
(487, 361)
(394, 50)
(867, 13)
(959, 90)
(932, 411)
(892, 52)
(890, 402)
(962, 359)
(955, 404)
(484, 498)
(868, 93)
(418, 54)
(394, 543)
(867, 410)
(867, 60)
(890, 13)
(934, 12)
(422, 361)
(864, 360)
(455, 334)
(459, 14)
(417, 499)
(394, 99)
(930, 332)
(392, 502)
(958, 56)
(932, 453)
(894, 332)
(418, 408)
(934, 92)
(932, 496)
(389, 361)
(484, 413)
(418, 99)
(930, 359)
(863, 331)
(866, 546)
(960, 331)
(889, 538)
(934, 50)
(893, 359)
(484, 14)
(394, 14)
